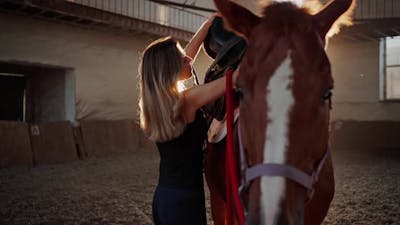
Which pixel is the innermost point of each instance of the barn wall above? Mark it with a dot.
(359, 118)
(355, 67)
(96, 70)
(104, 64)
(48, 96)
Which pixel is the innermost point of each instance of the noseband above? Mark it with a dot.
(277, 170)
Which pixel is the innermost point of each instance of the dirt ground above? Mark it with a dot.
(119, 189)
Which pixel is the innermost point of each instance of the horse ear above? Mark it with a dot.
(237, 18)
(328, 15)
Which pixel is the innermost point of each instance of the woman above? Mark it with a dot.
(170, 115)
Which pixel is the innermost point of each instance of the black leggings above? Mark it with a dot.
(175, 206)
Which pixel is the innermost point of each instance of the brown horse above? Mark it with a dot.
(285, 85)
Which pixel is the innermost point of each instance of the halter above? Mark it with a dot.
(248, 174)
(278, 170)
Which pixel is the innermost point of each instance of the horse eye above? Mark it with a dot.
(239, 93)
(328, 94)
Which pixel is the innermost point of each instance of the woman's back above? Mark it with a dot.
(182, 158)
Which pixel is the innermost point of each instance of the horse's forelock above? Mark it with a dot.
(286, 15)
(277, 8)
(311, 7)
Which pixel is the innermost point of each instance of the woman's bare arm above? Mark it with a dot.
(192, 48)
(198, 96)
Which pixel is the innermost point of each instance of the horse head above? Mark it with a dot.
(285, 83)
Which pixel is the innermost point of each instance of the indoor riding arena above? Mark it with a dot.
(119, 190)
(72, 152)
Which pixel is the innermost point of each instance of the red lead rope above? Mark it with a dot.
(233, 203)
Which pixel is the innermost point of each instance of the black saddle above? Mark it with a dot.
(227, 49)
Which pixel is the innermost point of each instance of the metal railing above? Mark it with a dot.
(148, 11)
(377, 9)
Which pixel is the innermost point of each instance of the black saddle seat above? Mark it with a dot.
(227, 49)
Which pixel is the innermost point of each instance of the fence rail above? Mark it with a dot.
(148, 11)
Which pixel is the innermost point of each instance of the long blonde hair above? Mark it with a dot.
(160, 102)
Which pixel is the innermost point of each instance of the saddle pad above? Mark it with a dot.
(217, 130)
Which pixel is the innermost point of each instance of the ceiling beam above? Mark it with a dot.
(396, 30)
(184, 5)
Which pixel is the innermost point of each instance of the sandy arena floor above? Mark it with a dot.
(119, 189)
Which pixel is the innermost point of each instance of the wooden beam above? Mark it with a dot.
(396, 30)
(79, 13)
(380, 33)
(183, 5)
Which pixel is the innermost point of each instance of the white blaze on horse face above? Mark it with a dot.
(280, 100)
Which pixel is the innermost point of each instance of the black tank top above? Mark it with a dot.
(181, 163)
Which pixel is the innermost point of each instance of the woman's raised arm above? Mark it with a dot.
(192, 48)
(198, 96)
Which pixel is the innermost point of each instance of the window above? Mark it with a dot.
(390, 73)
(33, 93)
(12, 96)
